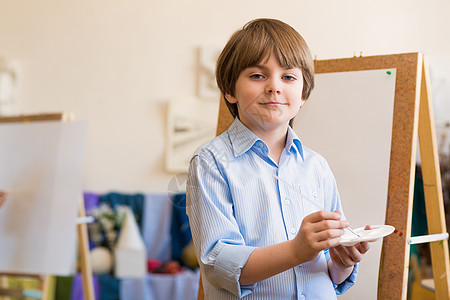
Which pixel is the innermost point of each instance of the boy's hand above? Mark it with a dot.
(348, 256)
(2, 197)
(319, 231)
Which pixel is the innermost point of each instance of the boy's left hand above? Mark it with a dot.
(348, 256)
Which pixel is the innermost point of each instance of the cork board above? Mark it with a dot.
(395, 250)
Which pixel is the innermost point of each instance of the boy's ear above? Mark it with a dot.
(230, 98)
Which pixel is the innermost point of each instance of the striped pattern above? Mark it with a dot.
(238, 199)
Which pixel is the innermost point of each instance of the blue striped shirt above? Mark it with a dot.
(239, 199)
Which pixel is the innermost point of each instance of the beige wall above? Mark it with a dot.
(117, 63)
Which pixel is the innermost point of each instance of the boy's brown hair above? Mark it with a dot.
(248, 46)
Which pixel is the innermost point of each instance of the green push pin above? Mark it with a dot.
(389, 72)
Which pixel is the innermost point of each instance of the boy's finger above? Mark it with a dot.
(342, 252)
(363, 247)
(323, 215)
(335, 255)
(354, 254)
(329, 234)
(349, 256)
(338, 212)
(329, 224)
(329, 243)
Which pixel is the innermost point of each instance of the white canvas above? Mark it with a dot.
(41, 163)
(348, 120)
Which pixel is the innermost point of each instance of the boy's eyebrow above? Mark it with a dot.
(262, 67)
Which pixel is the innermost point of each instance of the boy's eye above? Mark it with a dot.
(289, 78)
(256, 76)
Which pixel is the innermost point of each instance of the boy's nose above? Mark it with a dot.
(272, 88)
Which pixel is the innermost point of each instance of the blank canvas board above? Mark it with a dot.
(348, 120)
(41, 163)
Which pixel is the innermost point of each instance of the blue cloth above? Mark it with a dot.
(181, 286)
(156, 226)
(180, 229)
(135, 202)
(239, 199)
(109, 287)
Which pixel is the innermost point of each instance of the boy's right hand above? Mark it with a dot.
(319, 231)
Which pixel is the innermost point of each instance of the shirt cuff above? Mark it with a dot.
(229, 262)
(347, 283)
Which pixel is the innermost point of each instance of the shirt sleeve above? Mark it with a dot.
(219, 244)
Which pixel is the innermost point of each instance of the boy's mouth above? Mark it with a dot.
(272, 103)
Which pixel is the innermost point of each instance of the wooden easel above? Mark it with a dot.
(82, 233)
(413, 117)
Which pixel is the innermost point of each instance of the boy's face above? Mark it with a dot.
(268, 95)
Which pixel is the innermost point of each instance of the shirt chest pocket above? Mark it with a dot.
(312, 199)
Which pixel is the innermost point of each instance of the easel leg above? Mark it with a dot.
(201, 292)
(85, 259)
(45, 282)
(3, 284)
(433, 189)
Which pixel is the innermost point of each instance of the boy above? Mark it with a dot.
(254, 231)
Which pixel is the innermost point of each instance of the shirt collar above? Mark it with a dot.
(293, 143)
(242, 139)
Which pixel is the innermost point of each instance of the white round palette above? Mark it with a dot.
(377, 232)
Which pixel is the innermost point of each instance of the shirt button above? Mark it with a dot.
(302, 297)
(292, 230)
(287, 202)
(314, 194)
